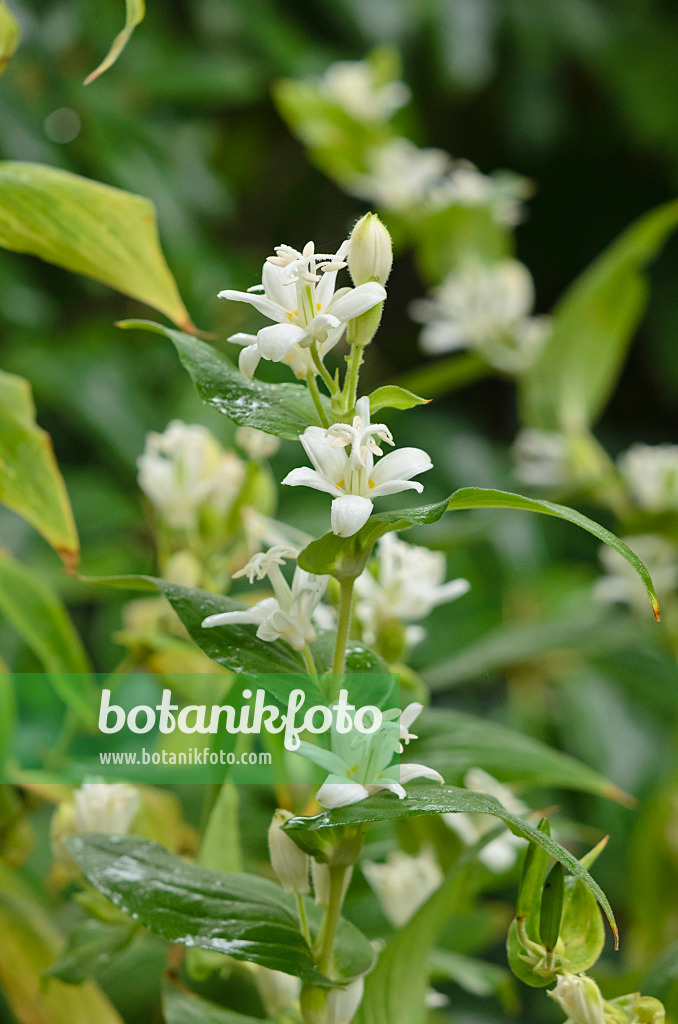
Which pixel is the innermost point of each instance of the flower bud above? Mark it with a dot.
(289, 862)
(104, 807)
(580, 998)
(342, 1003)
(370, 257)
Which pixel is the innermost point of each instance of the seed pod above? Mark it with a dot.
(552, 906)
(532, 878)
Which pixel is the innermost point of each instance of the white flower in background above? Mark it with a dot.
(360, 763)
(484, 307)
(286, 616)
(407, 583)
(500, 854)
(343, 461)
(542, 458)
(256, 444)
(297, 292)
(279, 992)
(580, 998)
(503, 191)
(401, 175)
(343, 1003)
(185, 469)
(651, 473)
(354, 86)
(620, 582)
(322, 882)
(104, 807)
(403, 883)
(289, 862)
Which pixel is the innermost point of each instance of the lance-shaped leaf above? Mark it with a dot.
(281, 409)
(241, 915)
(391, 396)
(134, 14)
(30, 481)
(347, 556)
(9, 35)
(91, 229)
(571, 381)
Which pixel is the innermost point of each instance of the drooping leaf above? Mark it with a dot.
(430, 799)
(91, 229)
(90, 948)
(30, 481)
(241, 915)
(347, 556)
(391, 396)
(10, 35)
(281, 409)
(571, 381)
(181, 1007)
(134, 15)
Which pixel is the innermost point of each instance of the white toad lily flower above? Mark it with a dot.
(403, 883)
(343, 461)
(297, 292)
(580, 998)
(360, 763)
(288, 615)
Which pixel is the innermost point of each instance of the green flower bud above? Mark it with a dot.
(289, 862)
(370, 257)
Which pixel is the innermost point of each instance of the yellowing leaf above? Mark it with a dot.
(30, 481)
(135, 10)
(9, 35)
(91, 229)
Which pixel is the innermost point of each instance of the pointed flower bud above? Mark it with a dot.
(289, 862)
(370, 256)
(580, 998)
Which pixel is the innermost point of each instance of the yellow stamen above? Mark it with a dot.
(318, 306)
(372, 484)
(340, 483)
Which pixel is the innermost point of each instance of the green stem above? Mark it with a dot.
(343, 625)
(315, 395)
(354, 361)
(330, 922)
(309, 662)
(322, 369)
(303, 920)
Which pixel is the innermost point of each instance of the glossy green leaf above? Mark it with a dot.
(30, 481)
(91, 229)
(570, 383)
(391, 396)
(181, 1007)
(90, 948)
(281, 409)
(241, 915)
(134, 14)
(10, 35)
(347, 556)
(430, 799)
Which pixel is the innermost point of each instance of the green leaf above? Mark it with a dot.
(453, 742)
(569, 385)
(347, 556)
(281, 409)
(30, 481)
(241, 915)
(91, 229)
(90, 948)
(38, 615)
(428, 799)
(134, 14)
(10, 35)
(393, 397)
(180, 1007)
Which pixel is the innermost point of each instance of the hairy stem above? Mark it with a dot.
(343, 625)
(315, 395)
(354, 361)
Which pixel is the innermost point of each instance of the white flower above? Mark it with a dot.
(297, 292)
(343, 460)
(343, 1003)
(651, 473)
(354, 86)
(500, 854)
(401, 175)
(256, 444)
(289, 614)
(542, 458)
(279, 992)
(484, 307)
(620, 582)
(289, 862)
(100, 807)
(403, 883)
(407, 583)
(360, 763)
(185, 469)
(580, 998)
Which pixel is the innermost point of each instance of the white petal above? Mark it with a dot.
(349, 513)
(331, 463)
(248, 360)
(272, 278)
(336, 794)
(305, 477)
(411, 712)
(276, 341)
(441, 336)
(270, 309)
(392, 787)
(451, 591)
(243, 339)
(401, 465)
(419, 771)
(248, 616)
(357, 301)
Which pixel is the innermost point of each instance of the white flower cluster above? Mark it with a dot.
(619, 584)
(185, 469)
(403, 883)
(485, 307)
(651, 474)
(355, 87)
(542, 458)
(499, 854)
